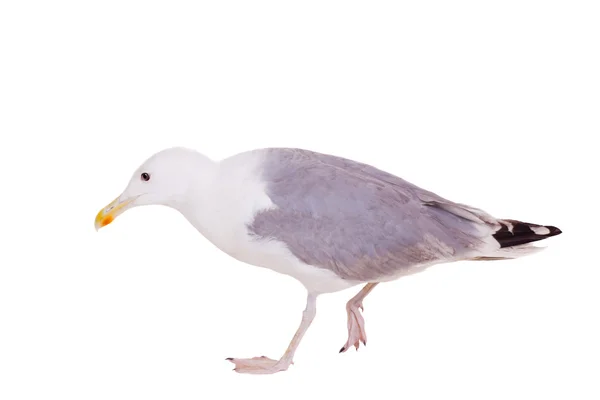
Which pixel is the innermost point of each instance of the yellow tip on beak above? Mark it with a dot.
(108, 214)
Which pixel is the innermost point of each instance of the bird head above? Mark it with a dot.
(165, 178)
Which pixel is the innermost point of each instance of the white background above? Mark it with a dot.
(494, 104)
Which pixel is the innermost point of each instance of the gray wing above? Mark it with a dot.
(360, 222)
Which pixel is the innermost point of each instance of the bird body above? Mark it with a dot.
(329, 222)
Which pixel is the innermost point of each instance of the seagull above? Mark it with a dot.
(329, 222)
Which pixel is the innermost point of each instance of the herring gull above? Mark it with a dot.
(329, 222)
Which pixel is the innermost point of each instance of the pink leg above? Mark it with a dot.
(265, 365)
(356, 323)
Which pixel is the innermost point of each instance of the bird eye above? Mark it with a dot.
(145, 176)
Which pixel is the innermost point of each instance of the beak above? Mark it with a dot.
(111, 211)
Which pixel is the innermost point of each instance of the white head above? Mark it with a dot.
(167, 178)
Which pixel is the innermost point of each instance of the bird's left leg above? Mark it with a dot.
(264, 365)
(356, 323)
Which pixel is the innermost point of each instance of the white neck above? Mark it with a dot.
(224, 198)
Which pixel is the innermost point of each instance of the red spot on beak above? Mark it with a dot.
(107, 220)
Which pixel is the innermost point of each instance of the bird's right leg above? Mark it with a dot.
(356, 323)
(265, 365)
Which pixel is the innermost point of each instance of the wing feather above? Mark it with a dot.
(361, 222)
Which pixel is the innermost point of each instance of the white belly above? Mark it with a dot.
(275, 256)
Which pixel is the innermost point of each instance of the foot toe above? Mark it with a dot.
(257, 365)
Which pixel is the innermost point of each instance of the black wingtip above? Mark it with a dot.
(514, 233)
(553, 231)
